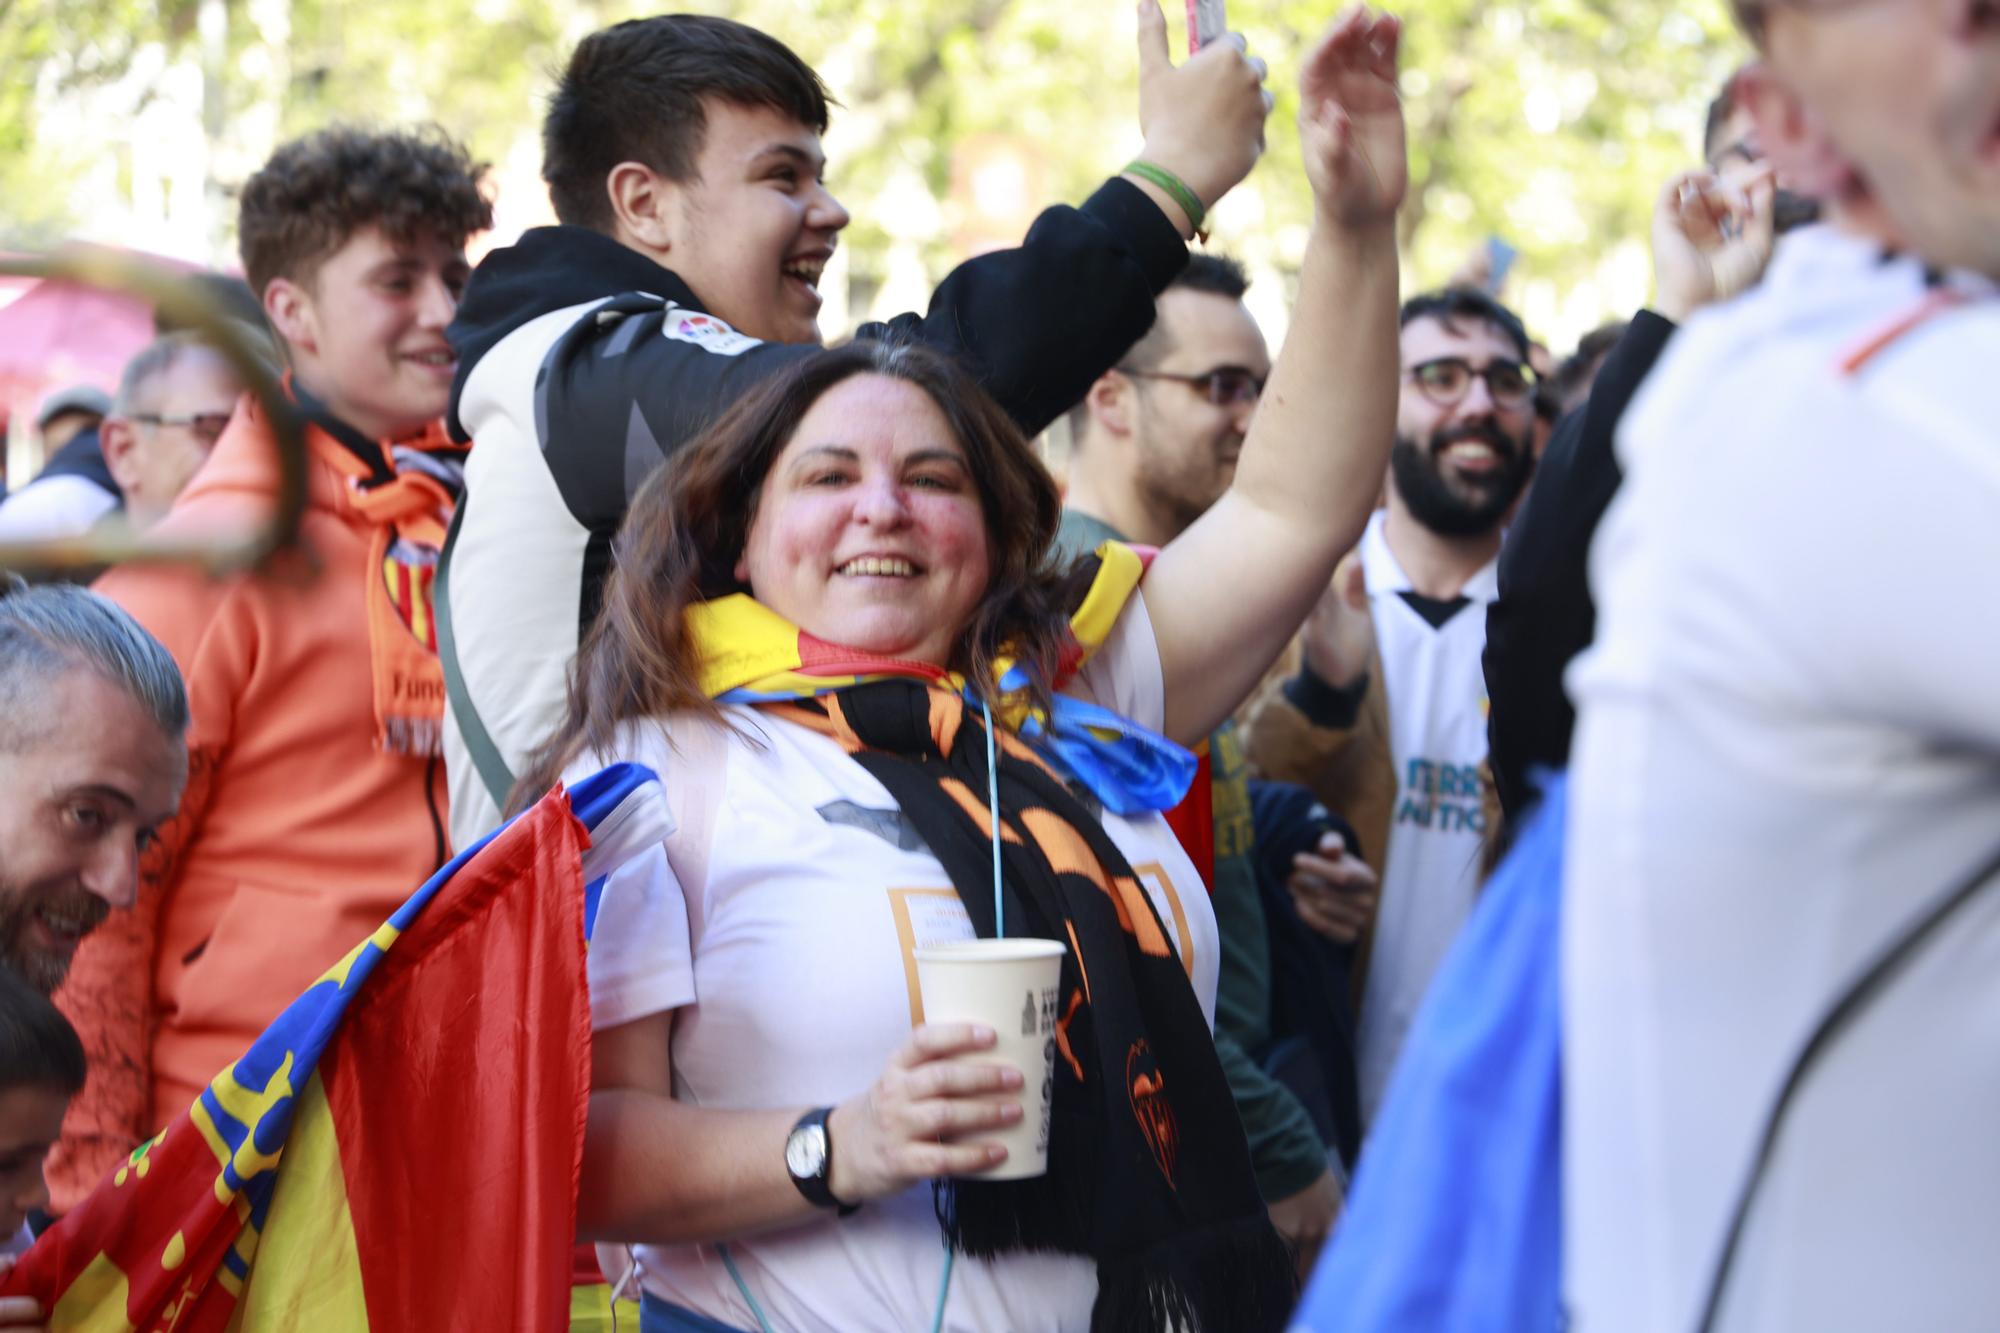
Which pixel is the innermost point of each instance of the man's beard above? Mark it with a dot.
(75, 906)
(1474, 506)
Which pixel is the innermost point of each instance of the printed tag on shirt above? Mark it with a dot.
(925, 918)
(706, 332)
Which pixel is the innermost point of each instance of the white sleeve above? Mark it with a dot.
(57, 507)
(640, 961)
(1124, 673)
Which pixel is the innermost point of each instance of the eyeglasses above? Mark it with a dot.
(1448, 379)
(1223, 388)
(204, 426)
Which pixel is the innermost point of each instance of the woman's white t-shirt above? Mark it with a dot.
(780, 917)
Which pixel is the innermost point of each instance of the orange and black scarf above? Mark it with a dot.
(404, 490)
(1149, 1172)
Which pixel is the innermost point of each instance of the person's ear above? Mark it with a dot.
(120, 440)
(645, 207)
(1111, 404)
(1792, 138)
(290, 310)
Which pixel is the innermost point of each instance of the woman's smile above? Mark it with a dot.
(870, 531)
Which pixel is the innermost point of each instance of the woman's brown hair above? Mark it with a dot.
(689, 522)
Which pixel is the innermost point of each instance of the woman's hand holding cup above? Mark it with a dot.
(922, 1117)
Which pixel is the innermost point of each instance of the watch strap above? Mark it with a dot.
(815, 1187)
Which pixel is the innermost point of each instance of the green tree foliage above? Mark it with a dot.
(1550, 123)
(48, 47)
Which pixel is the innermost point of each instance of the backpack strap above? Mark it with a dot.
(494, 774)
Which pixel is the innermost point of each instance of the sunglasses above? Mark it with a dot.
(1448, 379)
(1222, 388)
(204, 426)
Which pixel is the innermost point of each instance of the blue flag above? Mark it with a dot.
(1454, 1221)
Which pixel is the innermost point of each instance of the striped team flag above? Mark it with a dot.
(400, 1149)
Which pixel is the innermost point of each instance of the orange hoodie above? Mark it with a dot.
(302, 828)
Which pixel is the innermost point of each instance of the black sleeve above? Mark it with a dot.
(631, 383)
(1544, 615)
(1036, 325)
(1329, 706)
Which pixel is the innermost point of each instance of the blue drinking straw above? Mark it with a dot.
(993, 805)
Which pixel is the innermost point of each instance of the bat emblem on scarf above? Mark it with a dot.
(1146, 1086)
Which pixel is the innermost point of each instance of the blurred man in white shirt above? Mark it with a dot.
(1789, 743)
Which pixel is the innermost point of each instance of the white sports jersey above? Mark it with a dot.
(1789, 742)
(1436, 692)
(781, 917)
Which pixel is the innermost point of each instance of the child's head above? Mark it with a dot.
(355, 243)
(41, 1068)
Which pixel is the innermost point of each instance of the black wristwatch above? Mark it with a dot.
(809, 1157)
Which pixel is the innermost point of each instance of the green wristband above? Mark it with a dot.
(1176, 187)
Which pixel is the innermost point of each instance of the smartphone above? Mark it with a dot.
(1206, 23)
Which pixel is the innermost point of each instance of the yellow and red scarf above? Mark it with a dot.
(751, 654)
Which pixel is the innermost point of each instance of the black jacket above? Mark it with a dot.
(583, 365)
(1544, 615)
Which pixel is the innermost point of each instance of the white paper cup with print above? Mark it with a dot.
(1012, 986)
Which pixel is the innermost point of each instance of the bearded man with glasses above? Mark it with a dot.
(1385, 719)
(1155, 440)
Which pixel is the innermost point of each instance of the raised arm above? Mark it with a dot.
(1035, 324)
(1038, 324)
(1227, 594)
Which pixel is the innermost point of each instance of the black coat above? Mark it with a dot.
(1544, 615)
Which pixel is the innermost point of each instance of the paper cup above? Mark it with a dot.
(1011, 986)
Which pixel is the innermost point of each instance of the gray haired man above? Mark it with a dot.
(92, 760)
(173, 402)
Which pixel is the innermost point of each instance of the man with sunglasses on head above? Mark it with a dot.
(1154, 444)
(1386, 718)
(173, 402)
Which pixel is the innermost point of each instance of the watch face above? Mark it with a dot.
(805, 1152)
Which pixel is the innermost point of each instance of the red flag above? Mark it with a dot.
(400, 1149)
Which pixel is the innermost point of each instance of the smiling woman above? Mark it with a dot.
(815, 636)
(881, 544)
(834, 628)
(918, 535)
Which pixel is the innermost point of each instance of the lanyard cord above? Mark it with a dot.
(993, 810)
(1865, 987)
